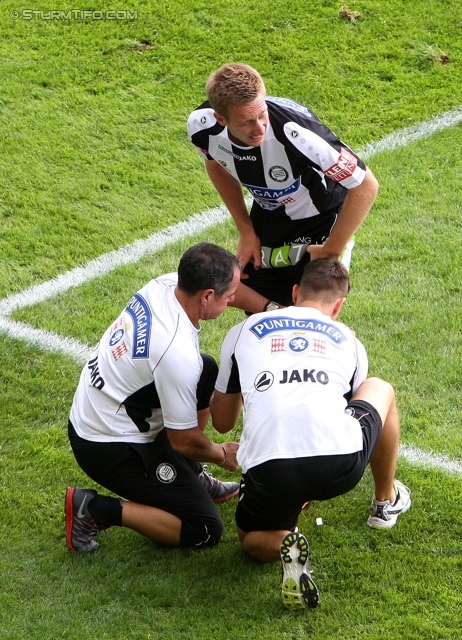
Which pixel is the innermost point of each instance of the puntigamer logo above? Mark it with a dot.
(283, 323)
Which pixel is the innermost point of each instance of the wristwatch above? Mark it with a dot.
(271, 306)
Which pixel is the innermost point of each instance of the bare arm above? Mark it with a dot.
(193, 444)
(230, 190)
(247, 299)
(225, 409)
(357, 205)
(249, 246)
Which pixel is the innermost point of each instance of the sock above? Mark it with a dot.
(106, 511)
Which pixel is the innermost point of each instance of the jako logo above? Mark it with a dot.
(263, 381)
(304, 376)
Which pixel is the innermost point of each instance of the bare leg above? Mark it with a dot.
(152, 523)
(380, 394)
(264, 546)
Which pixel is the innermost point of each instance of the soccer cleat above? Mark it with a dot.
(384, 514)
(219, 491)
(81, 528)
(298, 589)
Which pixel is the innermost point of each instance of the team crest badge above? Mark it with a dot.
(278, 173)
(166, 473)
(298, 344)
(116, 337)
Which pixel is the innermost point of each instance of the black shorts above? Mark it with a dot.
(154, 473)
(273, 493)
(276, 229)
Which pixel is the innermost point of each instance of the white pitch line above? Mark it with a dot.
(403, 137)
(46, 340)
(430, 460)
(106, 263)
(131, 253)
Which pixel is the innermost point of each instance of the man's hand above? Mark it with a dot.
(354, 210)
(230, 190)
(249, 249)
(230, 462)
(320, 251)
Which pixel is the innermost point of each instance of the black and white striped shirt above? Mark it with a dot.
(301, 167)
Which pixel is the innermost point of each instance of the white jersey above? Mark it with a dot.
(143, 374)
(296, 369)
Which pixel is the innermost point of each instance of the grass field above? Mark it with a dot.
(94, 157)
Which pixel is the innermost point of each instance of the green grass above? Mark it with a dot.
(95, 156)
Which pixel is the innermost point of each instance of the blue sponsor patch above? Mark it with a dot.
(283, 323)
(141, 314)
(296, 106)
(265, 193)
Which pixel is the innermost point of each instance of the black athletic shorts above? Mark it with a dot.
(276, 229)
(155, 474)
(272, 494)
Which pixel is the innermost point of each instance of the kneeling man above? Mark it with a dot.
(312, 423)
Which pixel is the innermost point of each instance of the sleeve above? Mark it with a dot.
(304, 132)
(336, 161)
(228, 376)
(176, 378)
(362, 365)
(201, 122)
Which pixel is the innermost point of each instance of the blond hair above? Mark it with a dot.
(234, 83)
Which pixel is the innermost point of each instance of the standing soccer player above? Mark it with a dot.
(310, 191)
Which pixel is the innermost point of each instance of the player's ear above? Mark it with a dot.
(295, 293)
(206, 296)
(337, 308)
(220, 119)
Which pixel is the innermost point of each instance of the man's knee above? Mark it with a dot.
(377, 392)
(201, 534)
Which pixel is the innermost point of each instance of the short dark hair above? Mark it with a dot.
(324, 279)
(206, 266)
(234, 83)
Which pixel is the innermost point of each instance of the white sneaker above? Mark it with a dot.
(384, 514)
(298, 588)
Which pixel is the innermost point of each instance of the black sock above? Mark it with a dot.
(106, 511)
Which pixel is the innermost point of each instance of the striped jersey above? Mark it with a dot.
(301, 167)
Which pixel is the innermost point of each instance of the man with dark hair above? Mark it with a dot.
(137, 421)
(310, 191)
(206, 266)
(312, 423)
